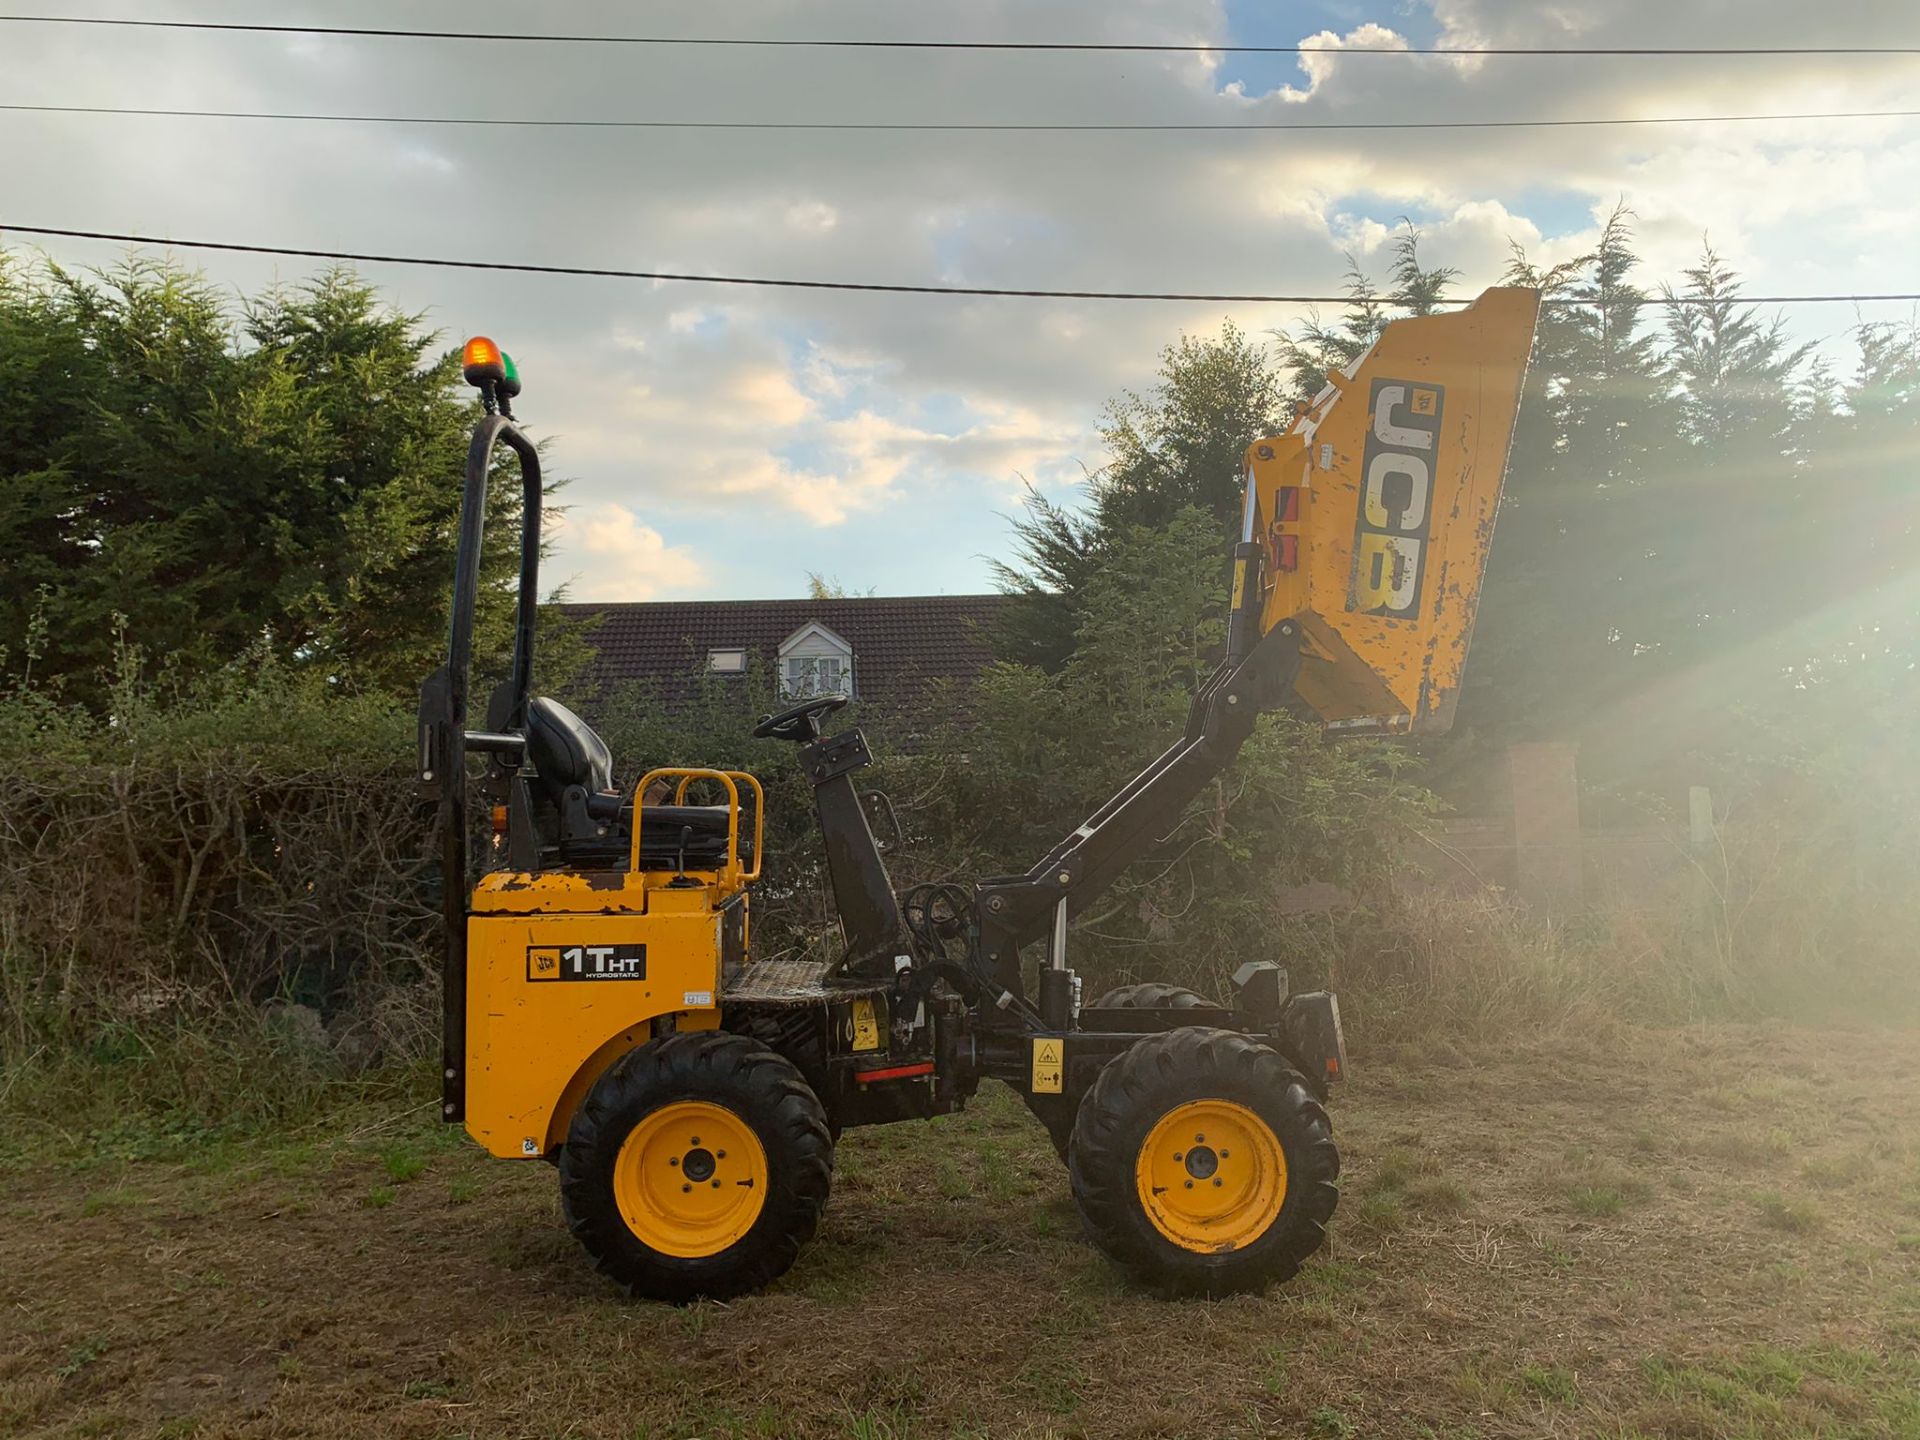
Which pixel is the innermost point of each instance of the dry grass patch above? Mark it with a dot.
(1747, 1146)
(1796, 1217)
(1805, 1393)
(1596, 1186)
(1842, 1172)
(949, 1292)
(1439, 1195)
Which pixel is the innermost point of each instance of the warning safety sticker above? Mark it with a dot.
(1049, 1066)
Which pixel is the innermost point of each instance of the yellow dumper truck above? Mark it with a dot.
(604, 1009)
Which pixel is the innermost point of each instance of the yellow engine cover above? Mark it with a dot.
(565, 974)
(1376, 509)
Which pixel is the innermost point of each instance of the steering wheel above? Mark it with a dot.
(801, 722)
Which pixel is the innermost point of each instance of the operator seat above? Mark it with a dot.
(575, 772)
(566, 752)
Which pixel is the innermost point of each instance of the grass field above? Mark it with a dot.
(1706, 1233)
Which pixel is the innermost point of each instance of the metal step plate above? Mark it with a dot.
(795, 982)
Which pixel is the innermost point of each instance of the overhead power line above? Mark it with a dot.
(528, 268)
(246, 27)
(949, 126)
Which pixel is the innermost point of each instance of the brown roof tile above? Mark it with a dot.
(900, 643)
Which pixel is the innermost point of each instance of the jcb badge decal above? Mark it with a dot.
(1396, 495)
(586, 962)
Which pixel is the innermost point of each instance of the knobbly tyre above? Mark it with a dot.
(603, 1008)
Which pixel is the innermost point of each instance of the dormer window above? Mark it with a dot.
(727, 662)
(815, 661)
(806, 675)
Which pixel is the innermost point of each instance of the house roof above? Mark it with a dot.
(900, 643)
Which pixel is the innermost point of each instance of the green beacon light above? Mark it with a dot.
(509, 382)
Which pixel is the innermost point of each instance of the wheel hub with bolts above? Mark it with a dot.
(690, 1179)
(1211, 1175)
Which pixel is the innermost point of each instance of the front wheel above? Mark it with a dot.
(1202, 1163)
(1057, 1112)
(697, 1165)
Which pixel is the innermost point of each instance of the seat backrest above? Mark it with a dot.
(565, 750)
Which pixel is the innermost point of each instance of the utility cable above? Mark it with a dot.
(1143, 48)
(528, 268)
(990, 126)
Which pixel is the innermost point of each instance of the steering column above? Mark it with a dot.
(862, 890)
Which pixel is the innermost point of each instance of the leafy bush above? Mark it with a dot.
(288, 467)
(239, 837)
(252, 835)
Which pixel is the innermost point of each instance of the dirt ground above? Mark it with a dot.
(1703, 1233)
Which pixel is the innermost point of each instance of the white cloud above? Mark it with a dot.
(750, 415)
(769, 393)
(624, 559)
(1322, 65)
(813, 215)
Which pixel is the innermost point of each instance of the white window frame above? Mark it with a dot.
(803, 676)
(815, 661)
(727, 660)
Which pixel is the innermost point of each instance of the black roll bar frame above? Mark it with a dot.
(444, 740)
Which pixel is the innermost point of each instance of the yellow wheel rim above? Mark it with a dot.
(1212, 1176)
(690, 1179)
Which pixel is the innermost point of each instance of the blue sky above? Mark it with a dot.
(727, 442)
(1249, 22)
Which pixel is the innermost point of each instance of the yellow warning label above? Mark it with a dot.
(1049, 1066)
(1239, 583)
(866, 1029)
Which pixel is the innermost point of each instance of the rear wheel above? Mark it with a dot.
(1154, 995)
(697, 1165)
(1201, 1162)
(799, 1036)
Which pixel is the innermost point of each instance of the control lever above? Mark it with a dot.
(682, 880)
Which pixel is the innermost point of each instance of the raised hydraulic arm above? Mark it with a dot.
(1354, 585)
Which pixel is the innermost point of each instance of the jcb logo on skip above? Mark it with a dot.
(1396, 490)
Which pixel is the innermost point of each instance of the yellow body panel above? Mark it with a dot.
(610, 892)
(1399, 468)
(537, 1036)
(568, 969)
